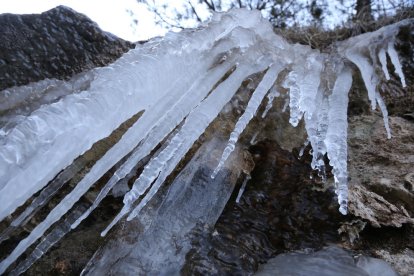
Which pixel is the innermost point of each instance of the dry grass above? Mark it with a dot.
(321, 39)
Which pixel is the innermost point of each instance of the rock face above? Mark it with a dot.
(381, 170)
(55, 44)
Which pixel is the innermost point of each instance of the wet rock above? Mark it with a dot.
(55, 44)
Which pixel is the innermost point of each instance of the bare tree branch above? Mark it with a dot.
(195, 12)
(160, 16)
(210, 5)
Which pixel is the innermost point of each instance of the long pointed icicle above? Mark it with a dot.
(382, 56)
(367, 73)
(384, 111)
(268, 80)
(194, 126)
(170, 166)
(317, 127)
(336, 138)
(396, 62)
(58, 232)
(198, 91)
(43, 198)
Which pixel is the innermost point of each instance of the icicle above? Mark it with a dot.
(336, 137)
(112, 98)
(384, 111)
(268, 80)
(285, 106)
(140, 129)
(383, 60)
(242, 188)
(396, 62)
(367, 73)
(129, 140)
(60, 230)
(294, 95)
(166, 124)
(317, 128)
(43, 198)
(253, 140)
(302, 149)
(194, 126)
(154, 189)
(270, 97)
(309, 84)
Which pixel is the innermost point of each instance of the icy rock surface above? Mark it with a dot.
(181, 83)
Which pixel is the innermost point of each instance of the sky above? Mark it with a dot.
(111, 15)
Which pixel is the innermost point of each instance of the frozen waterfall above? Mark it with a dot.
(180, 83)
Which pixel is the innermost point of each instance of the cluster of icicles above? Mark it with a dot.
(177, 82)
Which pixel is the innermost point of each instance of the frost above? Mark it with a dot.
(181, 83)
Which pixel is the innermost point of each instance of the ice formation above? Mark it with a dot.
(180, 83)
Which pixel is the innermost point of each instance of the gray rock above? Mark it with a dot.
(380, 170)
(55, 44)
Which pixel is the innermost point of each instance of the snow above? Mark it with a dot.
(178, 83)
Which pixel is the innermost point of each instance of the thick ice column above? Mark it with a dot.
(336, 137)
